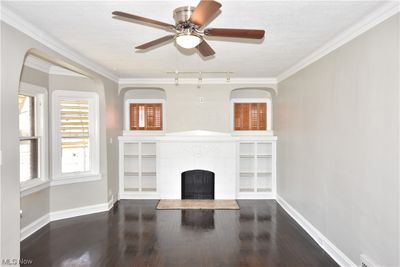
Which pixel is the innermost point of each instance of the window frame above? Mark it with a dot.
(128, 131)
(93, 174)
(41, 133)
(268, 118)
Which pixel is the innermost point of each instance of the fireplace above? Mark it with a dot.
(197, 184)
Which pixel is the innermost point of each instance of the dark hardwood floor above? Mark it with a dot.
(134, 233)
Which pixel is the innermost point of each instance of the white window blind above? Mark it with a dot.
(75, 135)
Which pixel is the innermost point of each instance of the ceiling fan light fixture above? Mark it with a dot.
(188, 41)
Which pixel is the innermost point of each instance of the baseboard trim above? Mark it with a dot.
(69, 213)
(64, 214)
(322, 241)
(34, 226)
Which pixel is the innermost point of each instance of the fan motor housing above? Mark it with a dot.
(182, 14)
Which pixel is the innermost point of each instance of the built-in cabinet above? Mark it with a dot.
(148, 162)
(256, 168)
(138, 168)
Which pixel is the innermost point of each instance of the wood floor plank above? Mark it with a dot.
(134, 233)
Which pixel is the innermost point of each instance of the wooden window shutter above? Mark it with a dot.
(151, 114)
(250, 116)
(262, 116)
(134, 116)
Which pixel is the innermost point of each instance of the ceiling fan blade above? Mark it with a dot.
(204, 11)
(143, 19)
(155, 42)
(205, 49)
(235, 33)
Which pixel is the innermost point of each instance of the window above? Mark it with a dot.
(28, 141)
(145, 117)
(251, 115)
(32, 104)
(75, 131)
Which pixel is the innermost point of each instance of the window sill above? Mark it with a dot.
(144, 132)
(33, 186)
(76, 178)
(253, 133)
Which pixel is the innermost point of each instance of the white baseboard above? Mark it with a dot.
(134, 195)
(245, 195)
(34, 226)
(64, 214)
(322, 241)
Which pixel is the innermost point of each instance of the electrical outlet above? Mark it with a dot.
(365, 261)
(201, 99)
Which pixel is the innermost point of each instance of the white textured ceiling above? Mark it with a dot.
(294, 29)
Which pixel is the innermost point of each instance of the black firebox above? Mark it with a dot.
(197, 184)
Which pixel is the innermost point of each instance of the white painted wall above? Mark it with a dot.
(186, 113)
(14, 46)
(337, 123)
(35, 205)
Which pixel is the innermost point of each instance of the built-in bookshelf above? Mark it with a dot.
(256, 167)
(138, 171)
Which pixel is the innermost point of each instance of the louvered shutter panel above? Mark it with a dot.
(262, 116)
(238, 116)
(134, 116)
(146, 117)
(74, 124)
(250, 116)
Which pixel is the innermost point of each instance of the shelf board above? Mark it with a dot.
(149, 156)
(246, 190)
(149, 174)
(132, 189)
(264, 173)
(131, 174)
(246, 174)
(264, 190)
(131, 156)
(264, 156)
(149, 190)
(247, 156)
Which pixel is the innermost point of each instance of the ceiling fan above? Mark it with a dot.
(188, 29)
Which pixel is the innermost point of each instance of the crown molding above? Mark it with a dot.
(195, 81)
(56, 70)
(32, 31)
(368, 22)
(37, 63)
(46, 67)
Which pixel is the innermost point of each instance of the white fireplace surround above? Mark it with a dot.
(203, 150)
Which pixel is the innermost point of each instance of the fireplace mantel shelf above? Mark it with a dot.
(196, 135)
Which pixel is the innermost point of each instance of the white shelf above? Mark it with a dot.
(247, 156)
(131, 173)
(138, 168)
(131, 156)
(256, 161)
(149, 174)
(149, 156)
(264, 156)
